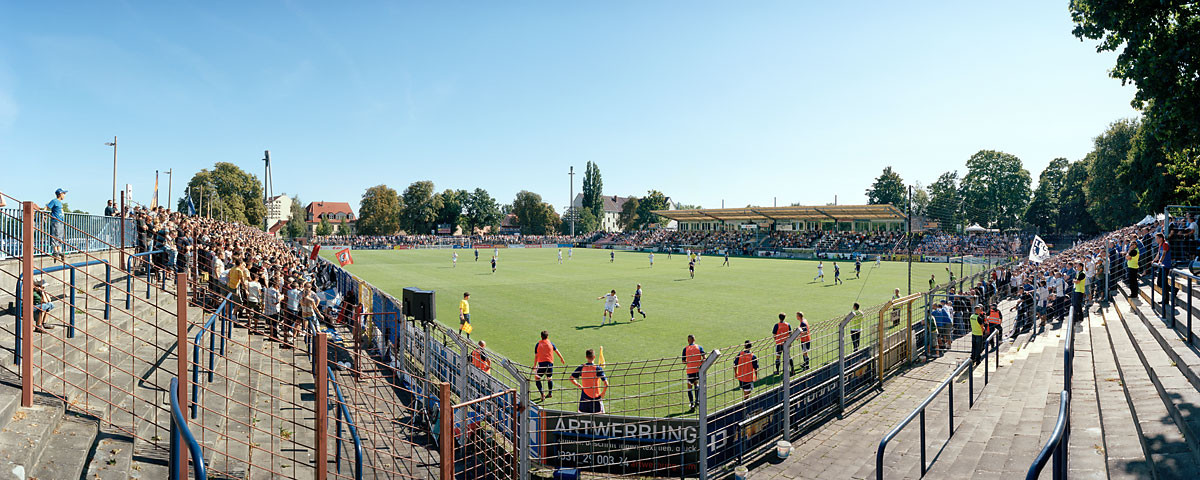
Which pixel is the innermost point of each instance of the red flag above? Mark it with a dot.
(316, 248)
(344, 257)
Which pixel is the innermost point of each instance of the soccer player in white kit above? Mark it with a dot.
(560, 256)
(820, 272)
(652, 260)
(570, 252)
(610, 304)
(454, 260)
(877, 257)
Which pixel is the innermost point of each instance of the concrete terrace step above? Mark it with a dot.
(1152, 387)
(1123, 453)
(27, 434)
(65, 455)
(1173, 342)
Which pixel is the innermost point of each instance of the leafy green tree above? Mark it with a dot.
(419, 208)
(481, 211)
(654, 200)
(585, 223)
(297, 226)
(996, 189)
(1111, 201)
(1183, 166)
(628, 218)
(1073, 215)
(1156, 42)
(682, 206)
(945, 201)
(920, 200)
(1043, 210)
(344, 229)
(453, 204)
(532, 213)
(324, 228)
(593, 190)
(888, 188)
(238, 194)
(379, 212)
(1146, 170)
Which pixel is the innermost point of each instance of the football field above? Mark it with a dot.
(722, 306)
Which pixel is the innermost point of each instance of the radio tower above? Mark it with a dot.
(268, 188)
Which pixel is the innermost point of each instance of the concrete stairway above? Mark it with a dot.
(105, 413)
(1157, 374)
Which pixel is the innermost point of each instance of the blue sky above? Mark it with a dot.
(705, 101)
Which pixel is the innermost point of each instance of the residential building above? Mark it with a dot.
(336, 212)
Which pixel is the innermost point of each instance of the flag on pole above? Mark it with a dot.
(154, 201)
(344, 257)
(191, 206)
(601, 359)
(1039, 252)
(316, 248)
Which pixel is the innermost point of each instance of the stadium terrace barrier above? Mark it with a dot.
(1056, 445)
(70, 299)
(84, 233)
(180, 436)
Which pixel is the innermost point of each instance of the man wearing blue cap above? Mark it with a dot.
(58, 226)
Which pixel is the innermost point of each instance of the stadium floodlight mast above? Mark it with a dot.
(571, 200)
(114, 145)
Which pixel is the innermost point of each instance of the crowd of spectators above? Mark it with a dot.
(368, 242)
(948, 244)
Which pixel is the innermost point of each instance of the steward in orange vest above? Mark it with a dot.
(745, 367)
(781, 331)
(592, 384)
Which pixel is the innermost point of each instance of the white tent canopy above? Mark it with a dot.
(1146, 221)
(976, 228)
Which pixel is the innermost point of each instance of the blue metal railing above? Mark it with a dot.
(72, 267)
(343, 412)
(181, 434)
(149, 274)
(1056, 445)
(1189, 292)
(946, 384)
(224, 312)
(84, 233)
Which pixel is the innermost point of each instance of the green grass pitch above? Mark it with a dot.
(722, 306)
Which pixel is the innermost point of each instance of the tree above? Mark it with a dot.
(654, 200)
(419, 208)
(1112, 202)
(1043, 210)
(234, 194)
(481, 211)
(297, 226)
(945, 201)
(324, 228)
(1145, 169)
(996, 189)
(453, 204)
(344, 229)
(1073, 215)
(888, 188)
(379, 212)
(532, 213)
(586, 222)
(551, 222)
(593, 190)
(920, 200)
(628, 218)
(683, 206)
(1158, 53)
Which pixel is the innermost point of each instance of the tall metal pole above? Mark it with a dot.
(170, 181)
(268, 186)
(114, 145)
(156, 203)
(571, 200)
(908, 237)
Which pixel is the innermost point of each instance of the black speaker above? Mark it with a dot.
(419, 304)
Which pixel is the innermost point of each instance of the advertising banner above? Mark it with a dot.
(517, 245)
(617, 444)
(402, 247)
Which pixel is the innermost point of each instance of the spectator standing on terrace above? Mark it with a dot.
(745, 366)
(781, 330)
(977, 339)
(692, 358)
(945, 325)
(895, 311)
(1131, 269)
(592, 384)
(543, 355)
(293, 310)
(271, 300)
(1078, 295)
(58, 226)
(856, 319)
(1163, 261)
(109, 210)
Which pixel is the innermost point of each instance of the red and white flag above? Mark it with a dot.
(316, 248)
(344, 257)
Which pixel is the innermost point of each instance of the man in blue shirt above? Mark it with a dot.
(58, 227)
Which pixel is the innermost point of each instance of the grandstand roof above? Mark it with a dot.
(824, 212)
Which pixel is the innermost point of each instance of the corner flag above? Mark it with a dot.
(344, 257)
(1039, 252)
(601, 359)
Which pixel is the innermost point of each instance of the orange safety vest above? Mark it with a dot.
(805, 336)
(544, 352)
(745, 367)
(481, 362)
(994, 318)
(590, 381)
(693, 358)
(781, 332)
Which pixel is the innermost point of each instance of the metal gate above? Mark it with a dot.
(482, 443)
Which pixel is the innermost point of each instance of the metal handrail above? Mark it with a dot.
(344, 412)
(129, 277)
(1056, 445)
(71, 328)
(208, 326)
(181, 432)
(920, 410)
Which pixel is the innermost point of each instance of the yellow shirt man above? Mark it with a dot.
(237, 275)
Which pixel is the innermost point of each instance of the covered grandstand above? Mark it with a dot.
(841, 218)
